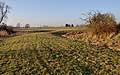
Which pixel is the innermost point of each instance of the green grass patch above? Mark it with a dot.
(46, 54)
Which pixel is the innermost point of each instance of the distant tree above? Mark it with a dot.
(18, 25)
(10, 29)
(67, 25)
(100, 23)
(72, 25)
(3, 26)
(27, 26)
(4, 10)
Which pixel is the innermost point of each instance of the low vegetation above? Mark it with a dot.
(6, 30)
(101, 29)
(43, 53)
(47, 51)
(99, 23)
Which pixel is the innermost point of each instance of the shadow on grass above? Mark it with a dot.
(42, 31)
(35, 31)
(59, 33)
(86, 70)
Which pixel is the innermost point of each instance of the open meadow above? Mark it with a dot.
(43, 51)
(59, 37)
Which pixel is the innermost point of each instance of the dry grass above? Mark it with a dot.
(42, 53)
(100, 23)
(3, 33)
(110, 40)
(101, 30)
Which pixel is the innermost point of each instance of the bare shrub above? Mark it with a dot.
(101, 22)
(27, 26)
(8, 29)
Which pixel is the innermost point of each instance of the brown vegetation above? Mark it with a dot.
(3, 33)
(100, 23)
(27, 26)
(5, 30)
(101, 30)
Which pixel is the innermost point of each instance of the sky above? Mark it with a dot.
(56, 12)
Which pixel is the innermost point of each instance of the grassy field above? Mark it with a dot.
(44, 53)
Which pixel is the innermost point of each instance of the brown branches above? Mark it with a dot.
(4, 9)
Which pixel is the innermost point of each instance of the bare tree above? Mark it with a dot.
(72, 25)
(4, 10)
(27, 26)
(18, 25)
(101, 22)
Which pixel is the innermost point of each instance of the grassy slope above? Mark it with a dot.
(43, 53)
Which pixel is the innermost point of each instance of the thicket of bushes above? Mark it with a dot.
(100, 23)
(69, 25)
(5, 28)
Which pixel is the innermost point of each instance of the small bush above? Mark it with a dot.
(101, 22)
(8, 29)
(27, 26)
(68, 25)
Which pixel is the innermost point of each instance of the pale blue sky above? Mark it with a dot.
(57, 12)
